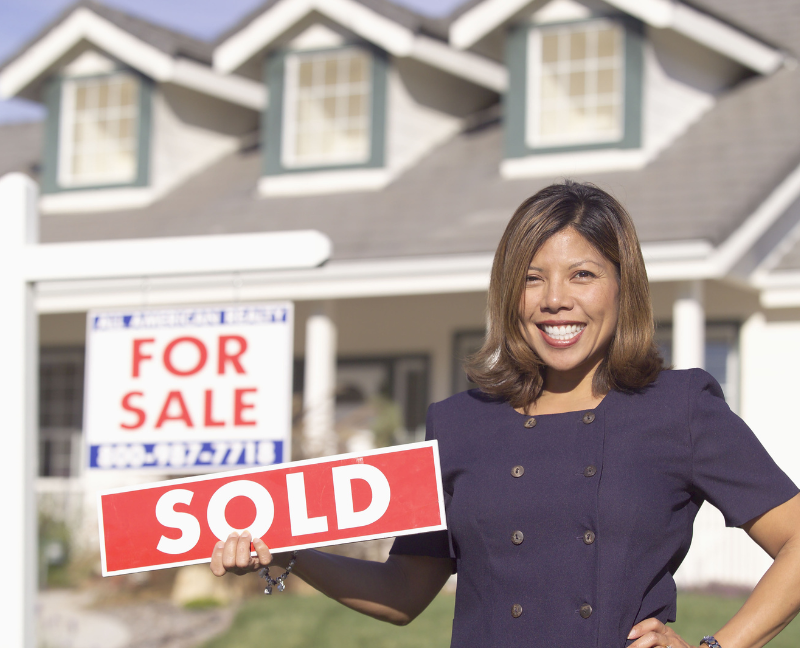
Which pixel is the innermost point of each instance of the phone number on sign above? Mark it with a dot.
(193, 454)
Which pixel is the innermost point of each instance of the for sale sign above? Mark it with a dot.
(384, 493)
(189, 389)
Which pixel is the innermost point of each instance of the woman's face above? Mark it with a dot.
(570, 304)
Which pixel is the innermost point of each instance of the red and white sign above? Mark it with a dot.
(189, 389)
(333, 500)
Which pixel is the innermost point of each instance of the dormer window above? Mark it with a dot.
(98, 128)
(576, 84)
(99, 131)
(328, 109)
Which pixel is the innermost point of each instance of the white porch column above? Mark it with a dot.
(689, 326)
(18, 403)
(319, 434)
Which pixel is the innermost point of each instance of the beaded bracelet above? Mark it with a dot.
(264, 573)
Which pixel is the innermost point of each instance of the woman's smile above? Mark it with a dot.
(561, 334)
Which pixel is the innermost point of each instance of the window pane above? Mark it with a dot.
(577, 46)
(80, 98)
(550, 123)
(100, 147)
(127, 93)
(550, 86)
(357, 105)
(327, 108)
(607, 42)
(358, 69)
(306, 74)
(550, 48)
(606, 118)
(102, 101)
(606, 81)
(577, 84)
(126, 128)
(331, 72)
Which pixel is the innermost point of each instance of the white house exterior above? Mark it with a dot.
(406, 143)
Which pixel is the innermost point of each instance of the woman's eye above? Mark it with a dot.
(584, 274)
(531, 278)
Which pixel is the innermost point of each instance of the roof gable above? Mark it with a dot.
(156, 52)
(395, 30)
(481, 18)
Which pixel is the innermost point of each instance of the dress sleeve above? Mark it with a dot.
(435, 544)
(730, 467)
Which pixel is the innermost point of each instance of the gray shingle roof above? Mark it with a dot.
(774, 21)
(168, 41)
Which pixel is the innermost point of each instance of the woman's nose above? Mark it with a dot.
(556, 297)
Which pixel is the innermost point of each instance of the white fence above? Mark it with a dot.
(721, 556)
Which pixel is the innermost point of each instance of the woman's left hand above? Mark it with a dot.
(651, 633)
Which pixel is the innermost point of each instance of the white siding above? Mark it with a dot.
(413, 129)
(681, 81)
(190, 132)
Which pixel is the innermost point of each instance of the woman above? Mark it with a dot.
(573, 476)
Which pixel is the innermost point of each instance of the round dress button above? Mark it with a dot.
(586, 610)
(589, 471)
(516, 610)
(518, 471)
(531, 422)
(588, 417)
(517, 537)
(588, 537)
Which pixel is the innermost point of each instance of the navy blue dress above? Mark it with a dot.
(566, 529)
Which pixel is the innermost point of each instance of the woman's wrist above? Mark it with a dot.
(283, 558)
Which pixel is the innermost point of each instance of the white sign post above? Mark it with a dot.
(193, 389)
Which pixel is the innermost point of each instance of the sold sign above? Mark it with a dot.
(334, 500)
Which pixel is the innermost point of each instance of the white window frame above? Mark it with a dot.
(66, 134)
(289, 131)
(534, 73)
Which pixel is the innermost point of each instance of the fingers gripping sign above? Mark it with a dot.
(652, 633)
(234, 555)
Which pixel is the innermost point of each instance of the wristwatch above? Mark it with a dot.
(709, 641)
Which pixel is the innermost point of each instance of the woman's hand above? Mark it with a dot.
(651, 633)
(233, 555)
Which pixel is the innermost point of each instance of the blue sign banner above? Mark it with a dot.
(186, 455)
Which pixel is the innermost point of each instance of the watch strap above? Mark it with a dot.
(709, 641)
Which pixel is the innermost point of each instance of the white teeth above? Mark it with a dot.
(566, 332)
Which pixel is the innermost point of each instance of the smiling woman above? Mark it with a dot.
(569, 248)
(573, 475)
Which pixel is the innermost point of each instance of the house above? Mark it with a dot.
(409, 141)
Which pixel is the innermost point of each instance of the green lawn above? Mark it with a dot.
(306, 621)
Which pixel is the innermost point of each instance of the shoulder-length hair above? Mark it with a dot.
(506, 366)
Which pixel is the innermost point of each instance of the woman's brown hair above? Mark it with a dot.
(506, 366)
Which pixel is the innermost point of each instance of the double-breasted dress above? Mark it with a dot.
(566, 529)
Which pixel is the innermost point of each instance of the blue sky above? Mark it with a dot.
(21, 20)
